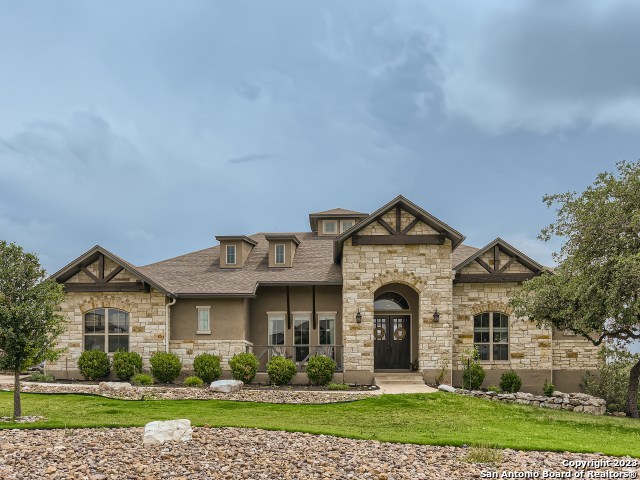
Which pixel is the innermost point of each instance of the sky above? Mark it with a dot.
(151, 127)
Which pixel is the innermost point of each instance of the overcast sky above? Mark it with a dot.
(151, 127)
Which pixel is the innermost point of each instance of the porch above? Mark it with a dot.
(300, 354)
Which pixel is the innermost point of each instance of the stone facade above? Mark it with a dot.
(425, 268)
(187, 350)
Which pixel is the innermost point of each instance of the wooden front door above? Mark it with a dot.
(392, 344)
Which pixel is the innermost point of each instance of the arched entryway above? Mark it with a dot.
(393, 330)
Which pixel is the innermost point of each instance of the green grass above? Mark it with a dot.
(437, 419)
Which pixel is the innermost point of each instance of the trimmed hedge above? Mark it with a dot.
(94, 364)
(281, 370)
(126, 364)
(244, 366)
(142, 379)
(320, 369)
(207, 367)
(193, 382)
(510, 382)
(165, 367)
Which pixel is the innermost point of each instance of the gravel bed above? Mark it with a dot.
(186, 393)
(232, 453)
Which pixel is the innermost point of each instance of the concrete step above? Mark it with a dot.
(398, 379)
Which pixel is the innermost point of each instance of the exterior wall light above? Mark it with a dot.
(436, 316)
(358, 317)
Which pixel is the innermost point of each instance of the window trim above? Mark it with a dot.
(275, 254)
(342, 222)
(491, 343)
(235, 254)
(324, 227)
(206, 308)
(284, 329)
(106, 333)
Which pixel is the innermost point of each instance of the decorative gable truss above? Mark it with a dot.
(496, 263)
(98, 270)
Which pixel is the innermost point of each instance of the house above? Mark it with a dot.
(395, 290)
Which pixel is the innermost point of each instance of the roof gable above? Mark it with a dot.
(80, 277)
(400, 203)
(505, 247)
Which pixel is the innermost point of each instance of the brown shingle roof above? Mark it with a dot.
(199, 273)
(339, 211)
(461, 253)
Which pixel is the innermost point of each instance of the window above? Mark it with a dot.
(276, 329)
(279, 253)
(231, 254)
(330, 227)
(390, 301)
(491, 335)
(204, 321)
(106, 329)
(301, 335)
(327, 329)
(345, 225)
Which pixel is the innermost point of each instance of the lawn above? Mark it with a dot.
(437, 419)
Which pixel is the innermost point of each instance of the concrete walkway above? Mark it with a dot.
(397, 388)
(394, 383)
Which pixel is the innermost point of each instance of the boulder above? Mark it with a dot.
(115, 386)
(226, 386)
(158, 432)
(446, 388)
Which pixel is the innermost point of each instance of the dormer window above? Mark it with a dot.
(346, 225)
(282, 249)
(231, 254)
(330, 227)
(279, 257)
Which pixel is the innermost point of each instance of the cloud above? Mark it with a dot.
(251, 158)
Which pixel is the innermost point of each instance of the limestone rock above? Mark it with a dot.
(115, 385)
(226, 386)
(446, 388)
(158, 432)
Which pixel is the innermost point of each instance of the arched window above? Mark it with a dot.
(106, 329)
(491, 335)
(390, 301)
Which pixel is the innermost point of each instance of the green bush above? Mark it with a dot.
(281, 370)
(126, 364)
(494, 389)
(142, 379)
(165, 367)
(193, 382)
(207, 367)
(41, 377)
(473, 376)
(93, 364)
(320, 369)
(548, 388)
(338, 386)
(510, 381)
(244, 366)
(612, 379)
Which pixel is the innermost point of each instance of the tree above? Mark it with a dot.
(29, 324)
(595, 290)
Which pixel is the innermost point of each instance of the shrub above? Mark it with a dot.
(93, 364)
(244, 366)
(207, 367)
(612, 379)
(473, 376)
(126, 364)
(142, 379)
(338, 386)
(281, 370)
(41, 377)
(510, 382)
(493, 388)
(548, 388)
(165, 367)
(320, 369)
(483, 454)
(193, 382)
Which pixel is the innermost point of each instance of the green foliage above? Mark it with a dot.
(612, 380)
(338, 386)
(493, 388)
(41, 377)
(207, 367)
(472, 372)
(244, 366)
(280, 370)
(444, 366)
(596, 283)
(510, 381)
(320, 369)
(93, 364)
(548, 388)
(165, 367)
(483, 454)
(193, 382)
(29, 322)
(126, 364)
(141, 379)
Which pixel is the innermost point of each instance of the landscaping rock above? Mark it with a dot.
(156, 433)
(115, 386)
(446, 388)
(226, 386)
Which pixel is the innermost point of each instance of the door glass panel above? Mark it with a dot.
(380, 329)
(399, 330)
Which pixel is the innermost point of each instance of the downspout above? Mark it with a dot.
(551, 370)
(167, 324)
